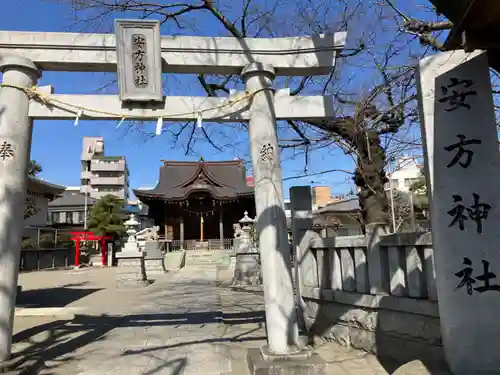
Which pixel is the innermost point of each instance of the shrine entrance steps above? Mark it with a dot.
(210, 258)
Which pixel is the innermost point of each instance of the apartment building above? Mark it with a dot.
(68, 210)
(404, 173)
(101, 174)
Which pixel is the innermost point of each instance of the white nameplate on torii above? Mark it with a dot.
(139, 63)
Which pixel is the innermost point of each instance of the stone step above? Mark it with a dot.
(209, 258)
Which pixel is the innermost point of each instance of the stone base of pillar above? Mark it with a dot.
(153, 259)
(154, 267)
(20, 365)
(232, 262)
(96, 260)
(174, 260)
(247, 270)
(130, 272)
(303, 362)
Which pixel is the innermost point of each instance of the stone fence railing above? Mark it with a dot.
(374, 292)
(406, 265)
(381, 299)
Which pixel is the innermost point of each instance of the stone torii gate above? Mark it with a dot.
(23, 57)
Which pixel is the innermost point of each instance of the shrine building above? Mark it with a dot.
(195, 204)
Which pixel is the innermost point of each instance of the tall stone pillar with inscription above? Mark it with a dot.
(281, 317)
(462, 165)
(15, 145)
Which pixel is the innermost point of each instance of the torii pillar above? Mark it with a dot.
(281, 315)
(15, 144)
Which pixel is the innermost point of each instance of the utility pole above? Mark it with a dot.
(86, 199)
(393, 212)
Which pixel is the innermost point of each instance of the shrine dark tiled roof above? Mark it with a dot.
(36, 185)
(71, 198)
(222, 179)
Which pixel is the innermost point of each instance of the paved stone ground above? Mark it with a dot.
(185, 323)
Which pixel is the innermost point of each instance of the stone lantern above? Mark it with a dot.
(131, 224)
(247, 270)
(131, 271)
(246, 227)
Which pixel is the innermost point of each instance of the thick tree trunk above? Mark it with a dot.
(369, 175)
(370, 179)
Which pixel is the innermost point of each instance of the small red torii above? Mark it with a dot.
(89, 236)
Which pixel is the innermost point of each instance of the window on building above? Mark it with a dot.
(107, 162)
(69, 217)
(81, 217)
(110, 190)
(55, 217)
(343, 231)
(395, 183)
(355, 231)
(410, 181)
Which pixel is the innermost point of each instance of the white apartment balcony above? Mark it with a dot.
(99, 194)
(97, 165)
(108, 181)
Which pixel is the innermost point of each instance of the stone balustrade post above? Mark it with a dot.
(305, 265)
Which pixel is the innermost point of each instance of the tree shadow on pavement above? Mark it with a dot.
(53, 297)
(62, 341)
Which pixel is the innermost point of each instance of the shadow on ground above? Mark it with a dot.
(54, 297)
(62, 341)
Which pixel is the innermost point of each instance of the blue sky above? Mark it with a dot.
(57, 144)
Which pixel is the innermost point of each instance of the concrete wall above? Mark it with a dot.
(37, 220)
(40, 218)
(321, 195)
(40, 259)
(390, 327)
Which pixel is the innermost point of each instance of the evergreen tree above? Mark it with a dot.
(419, 191)
(107, 217)
(30, 208)
(34, 168)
